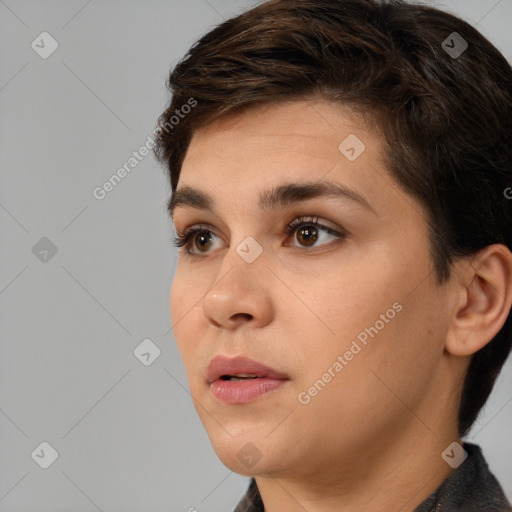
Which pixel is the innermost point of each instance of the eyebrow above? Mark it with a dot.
(273, 199)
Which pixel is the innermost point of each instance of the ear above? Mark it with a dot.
(483, 295)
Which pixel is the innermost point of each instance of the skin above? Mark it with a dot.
(372, 438)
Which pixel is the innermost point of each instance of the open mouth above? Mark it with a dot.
(239, 377)
(242, 388)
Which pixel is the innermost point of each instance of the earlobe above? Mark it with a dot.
(484, 298)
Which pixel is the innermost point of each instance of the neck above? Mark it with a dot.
(397, 474)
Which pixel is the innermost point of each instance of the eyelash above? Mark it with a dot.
(185, 239)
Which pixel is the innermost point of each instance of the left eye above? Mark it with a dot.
(308, 232)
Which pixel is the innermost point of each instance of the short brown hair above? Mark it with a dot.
(445, 120)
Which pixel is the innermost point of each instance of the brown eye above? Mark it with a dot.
(203, 241)
(307, 235)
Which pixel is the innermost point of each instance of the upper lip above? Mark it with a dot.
(222, 365)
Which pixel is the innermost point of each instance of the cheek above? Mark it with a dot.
(375, 384)
(187, 291)
(377, 327)
(400, 361)
(336, 308)
(177, 292)
(186, 314)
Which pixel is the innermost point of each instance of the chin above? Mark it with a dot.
(245, 454)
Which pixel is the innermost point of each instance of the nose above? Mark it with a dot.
(240, 294)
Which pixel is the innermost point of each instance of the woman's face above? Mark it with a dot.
(342, 304)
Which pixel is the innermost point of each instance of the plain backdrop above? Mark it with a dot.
(83, 281)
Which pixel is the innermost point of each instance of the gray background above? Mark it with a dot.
(126, 434)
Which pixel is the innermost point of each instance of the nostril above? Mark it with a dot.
(245, 316)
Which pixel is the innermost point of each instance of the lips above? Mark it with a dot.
(240, 369)
(239, 380)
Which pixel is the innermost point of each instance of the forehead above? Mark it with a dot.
(297, 131)
(238, 156)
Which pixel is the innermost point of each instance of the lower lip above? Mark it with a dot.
(241, 392)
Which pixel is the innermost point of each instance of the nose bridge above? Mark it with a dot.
(244, 250)
(243, 263)
(239, 291)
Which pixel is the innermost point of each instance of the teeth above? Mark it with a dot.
(241, 376)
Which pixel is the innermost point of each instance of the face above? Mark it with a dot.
(308, 258)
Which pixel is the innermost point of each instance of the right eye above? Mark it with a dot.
(195, 240)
